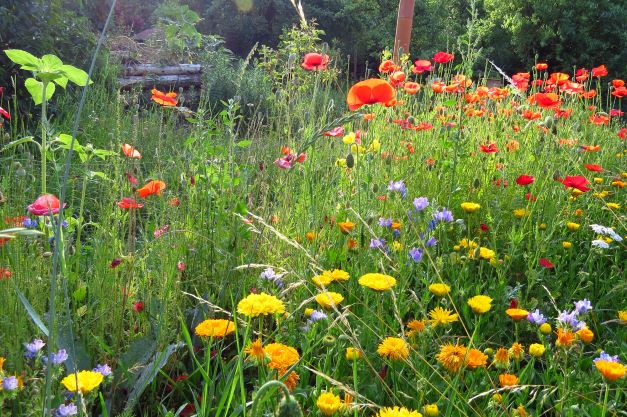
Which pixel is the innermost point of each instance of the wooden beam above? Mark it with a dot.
(403, 27)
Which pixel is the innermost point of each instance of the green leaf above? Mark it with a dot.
(244, 143)
(61, 81)
(35, 88)
(50, 63)
(76, 75)
(450, 102)
(101, 175)
(26, 60)
(32, 313)
(103, 153)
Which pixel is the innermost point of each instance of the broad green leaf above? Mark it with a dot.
(32, 313)
(244, 143)
(26, 60)
(102, 175)
(103, 153)
(76, 75)
(50, 63)
(35, 88)
(61, 81)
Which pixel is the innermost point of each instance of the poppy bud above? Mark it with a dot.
(288, 407)
(350, 160)
(328, 340)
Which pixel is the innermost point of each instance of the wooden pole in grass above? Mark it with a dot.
(403, 27)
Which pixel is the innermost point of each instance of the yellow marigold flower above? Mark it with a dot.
(520, 213)
(567, 245)
(602, 194)
(501, 358)
(536, 350)
(308, 311)
(377, 282)
(397, 412)
(497, 398)
(281, 356)
(480, 304)
(340, 275)
(374, 146)
(260, 304)
(329, 299)
(431, 410)
(517, 313)
(323, 280)
(216, 328)
(565, 338)
(618, 183)
(614, 206)
(328, 403)
(470, 244)
(572, 226)
(585, 335)
(396, 246)
(352, 354)
(255, 352)
(2, 361)
(476, 359)
(439, 290)
(440, 316)
(485, 253)
(470, 207)
(346, 227)
(516, 351)
(622, 318)
(545, 328)
(349, 139)
(521, 412)
(452, 357)
(87, 381)
(415, 327)
(393, 348)
(611, 370)
(508, 380)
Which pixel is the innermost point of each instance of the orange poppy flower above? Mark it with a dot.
(558, 78)
(581, 74)
(618, 83)
(369, 116)
(620, 92)
(130, 151)
(129, 203)
(397, 77)
(546, 100)
(589, 94)
(387, 66)
(165, 99)
(541, 66)
(153, 187)
(411, 87)
(371, 91)
(421, 65)
(531, 115)
(599, 71)
(599, 119)
(438, 86)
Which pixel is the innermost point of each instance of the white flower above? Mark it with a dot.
(600, 244)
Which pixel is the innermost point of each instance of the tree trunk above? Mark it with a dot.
(403, 27)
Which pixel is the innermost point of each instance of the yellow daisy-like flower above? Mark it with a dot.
(614, 206)
(377, 282)
(476, 359)
(328, 403)
(480, 304)
(611, 370)
(470, 207)
(352, 354)
(439, 290)
(468, 244)
(323, 280)
(485, 253)
(349, 138)
(415, 327)
(567, 245)
(431, 410)
(452, 357)
(216, 328)
(516, 351)
(339, 275)
(441, 317)
(501, 358)
(622, 316)
(87, 381)
(256, 352)
(396, 246)
(260, 304)
(281, 356)
(329, 299)
(536, 350)
(517, 313)
(572, 226)
(393, 348)
(565, 338)
(520, 213)
(397, 412)
(2, 360)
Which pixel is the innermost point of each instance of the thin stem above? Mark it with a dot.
(44, 138)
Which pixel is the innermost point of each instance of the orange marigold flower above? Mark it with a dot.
(585, 335)
(611, 370)
(508, 380)
(281, 356)
(517, 313)
(476, 359)
(346, 227)
(452, 357)
(565, 338)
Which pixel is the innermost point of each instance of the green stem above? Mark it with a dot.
(605, 400)
(44, 139)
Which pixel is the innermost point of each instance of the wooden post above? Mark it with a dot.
(403, 27)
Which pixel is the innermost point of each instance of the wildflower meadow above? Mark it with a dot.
(430, 238)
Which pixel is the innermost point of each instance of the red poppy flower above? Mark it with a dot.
(129, 203)
(589, 94)
(335, 132)
(581, 74)
(546, 100)
(153, 187)
(620, 92)
(531, 115)
(529, 196)
(616, 113)
(411, 88)
(618, 83)
(524, 180)
(541, 66)
(590, 148)
(397, 78)
(599, 119)
(576, 181)
(438, 86)
(489, 148)
(443, 57)
(45, 205)
(593, 167)
(314, 61)
(599, 71)
(4, 274)
(421, 66)
(371, 91)
(484, 227)
(165, 99)
(138, 306)
(387, 66)
(4, 113)
(622, 133)
(130, 152)
(546, 263)
(131, 179)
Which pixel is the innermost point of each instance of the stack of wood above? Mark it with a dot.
(149, 75)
